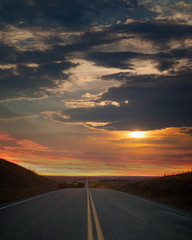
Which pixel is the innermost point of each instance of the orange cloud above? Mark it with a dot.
(161, 151)
(30, 145)
(6, 137)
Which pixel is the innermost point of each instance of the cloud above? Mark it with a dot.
(86, 103)
(6, 137)
(11, 143)
(30, 145)
(125, 60)
(176, 10)
(145, 102)
(41, 41)
(85, 13)
(186, 130)
(54, 115)
(159, 32)
(35, 74)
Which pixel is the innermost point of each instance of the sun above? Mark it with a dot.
(137, 134)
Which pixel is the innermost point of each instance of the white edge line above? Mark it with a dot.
(159, 204)
(28, 199)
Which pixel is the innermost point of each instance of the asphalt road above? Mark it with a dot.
(92, 214)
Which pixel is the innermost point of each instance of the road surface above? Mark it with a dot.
(91, 214)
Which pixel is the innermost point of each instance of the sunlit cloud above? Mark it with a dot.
(78, 103)
(91, 96)
(105, 103)
(83, 103)
(87, 71)
(8, 66)
(180, 11)
(145, 67)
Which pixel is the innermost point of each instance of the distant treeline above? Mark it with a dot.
(71, 185)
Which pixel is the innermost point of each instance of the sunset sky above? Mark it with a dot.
(96, 87)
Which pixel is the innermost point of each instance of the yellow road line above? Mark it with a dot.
(89, 222)
(98, 226)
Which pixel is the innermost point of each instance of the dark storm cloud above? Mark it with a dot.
(160, 32)
(49, 69)
(28, 82)
(51, 64)
(25, 81)
(85, 42)
(182, 77)
(31, 71)
(131, 79)
(114, 59)
(69, 13)
(22, 80)
(122, 60)
(7, 53)
(151, 106)
(11, 55)
(155, 101)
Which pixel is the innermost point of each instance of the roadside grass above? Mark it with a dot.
(71, 185)
(18, 182)
(172, 189)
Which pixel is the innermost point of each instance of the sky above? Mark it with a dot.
(96, 87)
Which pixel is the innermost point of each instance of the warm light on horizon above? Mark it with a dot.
(137, 134)
(121, 153)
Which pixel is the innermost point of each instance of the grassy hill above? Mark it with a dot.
(174, 189)
(18, 182)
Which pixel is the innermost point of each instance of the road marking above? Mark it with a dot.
(28, 199)
(151, 201)
(98, 226)
(89, 221)
(86, 184)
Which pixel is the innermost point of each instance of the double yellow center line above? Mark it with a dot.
(89, 221)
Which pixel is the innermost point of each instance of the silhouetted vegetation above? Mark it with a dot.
(69, 181)
(71, 185)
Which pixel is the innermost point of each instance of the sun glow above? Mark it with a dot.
(137, 134)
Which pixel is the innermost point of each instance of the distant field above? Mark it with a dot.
(175, 189)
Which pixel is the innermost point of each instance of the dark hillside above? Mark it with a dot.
(174, 189)
(18, 182)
